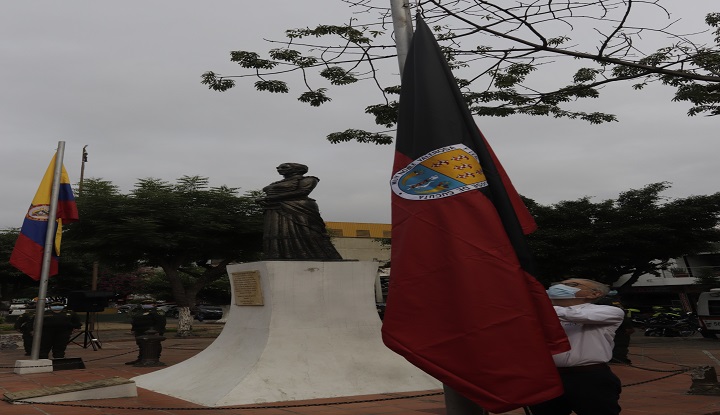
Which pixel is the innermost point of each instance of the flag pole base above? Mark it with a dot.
(457, 404)
(23, 367)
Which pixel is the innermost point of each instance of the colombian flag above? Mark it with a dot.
(27, 255)
(463, 303)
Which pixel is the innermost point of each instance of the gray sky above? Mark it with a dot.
(123, 78)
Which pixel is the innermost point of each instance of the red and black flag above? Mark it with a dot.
(463, 305)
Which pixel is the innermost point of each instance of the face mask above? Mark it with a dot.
(559, 291)
(146, 306)
(56, 308)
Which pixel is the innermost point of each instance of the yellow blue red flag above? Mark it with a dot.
(27, 255)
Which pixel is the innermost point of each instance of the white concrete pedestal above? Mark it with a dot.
(316, 335)
(23, 367)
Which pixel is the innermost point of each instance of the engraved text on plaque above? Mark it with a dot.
(248, 290)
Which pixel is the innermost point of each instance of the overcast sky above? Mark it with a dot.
(123, 78)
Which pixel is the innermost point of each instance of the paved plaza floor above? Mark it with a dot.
(657, 383)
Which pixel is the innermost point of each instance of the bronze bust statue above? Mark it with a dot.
(293, 227)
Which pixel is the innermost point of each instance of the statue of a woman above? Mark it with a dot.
(293, 226)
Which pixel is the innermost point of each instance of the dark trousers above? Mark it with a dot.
(588, 391)
(27, 342)
(622, 346)
(55, 340)
(140, 346)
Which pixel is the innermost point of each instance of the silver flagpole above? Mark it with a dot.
(402, 25)
(47, 252)
(455, 403)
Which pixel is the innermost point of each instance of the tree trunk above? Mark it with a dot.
(184, 299)
(184, 327)
(185, 296)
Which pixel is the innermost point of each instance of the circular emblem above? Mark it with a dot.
(39, 212)
(440, 173)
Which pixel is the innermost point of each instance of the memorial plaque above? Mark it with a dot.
(248, 290)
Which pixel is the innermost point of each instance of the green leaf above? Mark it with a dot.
(251, 60)
(385, 114)
(315, 98)
(586, 75)
(512, 75)
(338, 76)
(557, 41)
(287, 55)
(272, 86)
(360, 136)
(347, 32)
(216, 83)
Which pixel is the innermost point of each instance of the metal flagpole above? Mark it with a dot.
(82, 169)
(402, 25)
(47, 252)
(455, 403)
(93, 283)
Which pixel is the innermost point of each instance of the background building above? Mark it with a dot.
(365, 242)
(361, 241)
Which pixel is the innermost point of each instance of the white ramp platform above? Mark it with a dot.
(115, 387)
(296, 330)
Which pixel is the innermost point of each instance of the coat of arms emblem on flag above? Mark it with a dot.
(440, 173)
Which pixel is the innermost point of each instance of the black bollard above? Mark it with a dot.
(150, 348)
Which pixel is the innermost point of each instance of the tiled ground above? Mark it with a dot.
(653, 358)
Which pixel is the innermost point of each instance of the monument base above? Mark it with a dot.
(296, 330)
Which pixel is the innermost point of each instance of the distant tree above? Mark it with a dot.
(187, 229)
(73, 270)
(13, 283)
(638, 233)
(495, 47)
(708, 276)
(215, 292)
(154, 282)
(124, 283)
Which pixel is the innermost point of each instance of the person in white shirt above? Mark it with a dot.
(591, 388)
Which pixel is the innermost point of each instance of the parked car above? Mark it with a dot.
(126, 308)
(165, 307)
(172, 311)
(202, 312)
(19, 309)
(208, 312)
(708, 310)
(380, 309)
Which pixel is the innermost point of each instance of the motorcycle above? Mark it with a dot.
(671, 325)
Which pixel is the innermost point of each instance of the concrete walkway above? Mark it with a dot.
(656, 384)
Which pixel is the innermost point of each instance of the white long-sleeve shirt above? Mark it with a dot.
(590, 328)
